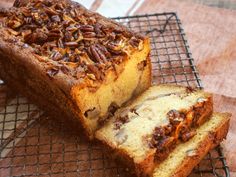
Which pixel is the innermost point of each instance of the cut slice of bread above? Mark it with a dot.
(135, 132)
(186, 156)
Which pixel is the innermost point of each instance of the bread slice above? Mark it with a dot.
(147, 129)
(186, 156)
(70, 61)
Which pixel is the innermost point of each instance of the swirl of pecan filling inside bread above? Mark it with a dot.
(143, 133)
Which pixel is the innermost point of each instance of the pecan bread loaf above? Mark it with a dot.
(70, 60)
(146, 131)
(186, 156)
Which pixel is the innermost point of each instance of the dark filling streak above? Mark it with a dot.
(120, 121)
(189, 90)
(156, 97)
(86, 113)
(162, 95)
(181, 128)
(110, 113)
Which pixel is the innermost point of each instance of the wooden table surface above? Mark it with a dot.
(211, 30)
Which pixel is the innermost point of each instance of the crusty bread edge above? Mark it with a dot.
(211, 141)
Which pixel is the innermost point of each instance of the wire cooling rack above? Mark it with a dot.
(33, 144)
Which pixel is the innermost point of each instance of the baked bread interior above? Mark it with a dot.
(144, 132)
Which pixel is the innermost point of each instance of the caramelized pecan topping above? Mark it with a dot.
(134, 42)
(65, 69)
(71, 44)
(98, 30)
(3, 12)
(168, 129)
(97, 55)
(56, 18)
(64, 32)
(56, 56)
(52, 71)
(94, 69)
(87, 28)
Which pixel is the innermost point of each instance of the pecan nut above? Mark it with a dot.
(134, 42)
(95, 71)
(98, 30)
(88, 35)
(50, 11)
(97, 54)
(71, 44)
(56, 56)
(114, 47)
(37, 37)
(87, 28)
(52, 72)
(28, 20)
(56, 18)
(14, 23)
(165, 143)
(188, 135)
(175, 117)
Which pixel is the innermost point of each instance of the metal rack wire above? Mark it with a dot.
(33, 144)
